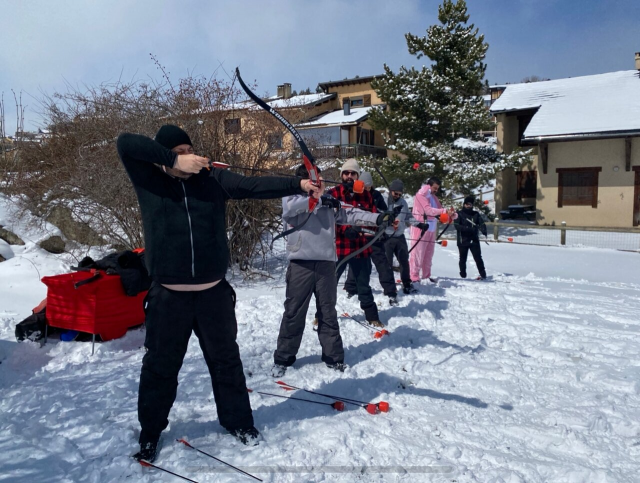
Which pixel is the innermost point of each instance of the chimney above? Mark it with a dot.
(281, 90)
(346, 106)
(287, 90)
(638, 60)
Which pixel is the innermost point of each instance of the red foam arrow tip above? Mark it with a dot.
(338, 406)
(383, 406)
(372, 409)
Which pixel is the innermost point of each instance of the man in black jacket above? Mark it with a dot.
(183, 215)
(468, 224)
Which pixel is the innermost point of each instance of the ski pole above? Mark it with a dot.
(383, 406)
(337, 405)
(217, 459)
(151, 465)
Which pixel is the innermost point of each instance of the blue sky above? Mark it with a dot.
(46, 44)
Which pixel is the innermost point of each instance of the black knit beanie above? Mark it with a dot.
(171, 136)
(469, 199)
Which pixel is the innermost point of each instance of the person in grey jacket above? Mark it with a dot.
(311, 251)
(396, 243)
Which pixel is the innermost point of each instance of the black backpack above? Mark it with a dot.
(32, 327)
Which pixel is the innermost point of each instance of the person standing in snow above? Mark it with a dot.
(183, 215)
(397, 243)
(349, 240)
(312, 271)
(378, 254)
(468, 225)
(426, 207)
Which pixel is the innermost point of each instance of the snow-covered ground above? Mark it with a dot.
(533, 376)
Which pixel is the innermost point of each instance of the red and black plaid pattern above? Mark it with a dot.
(364, 201)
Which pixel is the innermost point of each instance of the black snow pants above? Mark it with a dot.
(385, 272)
(171, 316)
(477, 256)
(304, 278)
(397, 245)
(361, 268)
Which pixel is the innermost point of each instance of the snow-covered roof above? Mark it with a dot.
(281, 103)
(337, 118)
(603, 103)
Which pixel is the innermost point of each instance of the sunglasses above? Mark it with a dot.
(350, 173)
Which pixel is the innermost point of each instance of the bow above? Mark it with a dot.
(307, 157)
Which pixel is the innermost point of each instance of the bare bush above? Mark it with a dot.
(77, 167)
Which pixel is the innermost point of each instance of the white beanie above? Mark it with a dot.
(351, 165)
(366, 178)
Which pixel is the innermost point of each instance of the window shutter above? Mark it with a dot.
(367, 100)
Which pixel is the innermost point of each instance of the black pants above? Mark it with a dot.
(385, 272)
(171, 316)
(397, 245)
(304, 278)
(477, 256)
(361, 268)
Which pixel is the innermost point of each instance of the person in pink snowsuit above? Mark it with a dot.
(426, 206)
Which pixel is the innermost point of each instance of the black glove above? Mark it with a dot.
(351, 233)
(330, 201)
(423, 226)
(386, 217)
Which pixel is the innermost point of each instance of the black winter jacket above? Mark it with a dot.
(468, 224)
(184, 219)
(379, 201)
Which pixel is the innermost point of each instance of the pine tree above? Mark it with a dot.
(429, 110)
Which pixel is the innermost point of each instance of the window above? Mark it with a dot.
(232, 126)
(274, 141)
(578, 187)
(365, 136)
(357, 101)
(321, 136)
(527, 184)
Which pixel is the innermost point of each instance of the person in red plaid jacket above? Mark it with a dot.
(350, 239)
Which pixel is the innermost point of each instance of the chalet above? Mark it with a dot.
(584, 133)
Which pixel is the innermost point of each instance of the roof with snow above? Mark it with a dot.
(281, 103)
(346, 82)
(337, 118)
(595, 104)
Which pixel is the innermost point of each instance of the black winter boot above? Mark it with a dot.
(148, 452)
(248, 436)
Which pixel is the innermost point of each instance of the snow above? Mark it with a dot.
(532, 376)
(579, 105)
(337, 118)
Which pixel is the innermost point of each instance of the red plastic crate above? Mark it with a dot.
(99, 307)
